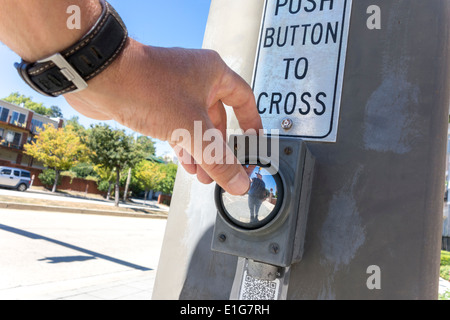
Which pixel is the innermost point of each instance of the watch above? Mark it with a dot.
(69, 70)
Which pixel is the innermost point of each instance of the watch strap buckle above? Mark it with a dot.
(67, 71)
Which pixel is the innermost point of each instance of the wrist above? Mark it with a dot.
(70, 69)
(52, 35)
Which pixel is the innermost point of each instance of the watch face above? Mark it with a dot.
(259, 205)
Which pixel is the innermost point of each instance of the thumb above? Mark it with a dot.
(225, 170)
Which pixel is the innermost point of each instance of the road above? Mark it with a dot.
(47, 253)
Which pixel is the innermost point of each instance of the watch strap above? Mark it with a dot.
(69, 70)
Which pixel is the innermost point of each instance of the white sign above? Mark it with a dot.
(300, 66)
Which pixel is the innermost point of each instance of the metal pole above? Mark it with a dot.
(375, 225)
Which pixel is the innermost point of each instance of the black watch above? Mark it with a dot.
(69, 70)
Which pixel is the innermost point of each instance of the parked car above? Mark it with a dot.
(15, 178)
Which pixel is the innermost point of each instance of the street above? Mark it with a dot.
(45, 254)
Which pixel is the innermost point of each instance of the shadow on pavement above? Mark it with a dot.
(93, 254)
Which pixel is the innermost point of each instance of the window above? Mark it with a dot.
(17, 173)
(4, 112)
(26, 174)
(6, 172)
(18, 118)
(10, 136)
(13, 138)
(35, 124)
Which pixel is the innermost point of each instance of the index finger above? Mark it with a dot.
(235, 92)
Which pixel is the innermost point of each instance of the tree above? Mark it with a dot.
(55, 112)
(147, 145)
(77, 126)
(27, 102)
(112, 149)
(58, 149)
(166, 185)
(149, 174)
(107, 175)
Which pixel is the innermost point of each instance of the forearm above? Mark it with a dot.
(154, 91)
(35, 29)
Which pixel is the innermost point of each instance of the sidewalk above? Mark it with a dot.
(41, 200)
(128, 285)
(131, 285)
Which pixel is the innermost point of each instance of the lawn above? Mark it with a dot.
(444, 272)
(445, 265)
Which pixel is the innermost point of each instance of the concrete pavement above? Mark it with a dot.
(57, 256)
(51, 256)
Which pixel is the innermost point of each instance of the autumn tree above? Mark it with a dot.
(58, 149)
(166, 185)
(149, 175)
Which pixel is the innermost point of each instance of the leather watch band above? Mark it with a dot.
(69, 70)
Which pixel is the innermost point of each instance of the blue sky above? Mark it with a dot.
(165, 23)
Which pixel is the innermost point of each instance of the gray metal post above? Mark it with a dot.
(377, 196)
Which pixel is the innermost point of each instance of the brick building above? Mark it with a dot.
(18, 126)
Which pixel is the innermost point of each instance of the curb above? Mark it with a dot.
(21, 206)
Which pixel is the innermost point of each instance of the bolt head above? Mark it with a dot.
(287, 123)
(222, 237)
(274, 248)
(288, 150)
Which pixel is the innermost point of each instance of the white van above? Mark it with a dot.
(15, 178)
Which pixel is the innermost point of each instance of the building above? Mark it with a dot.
(18, 126)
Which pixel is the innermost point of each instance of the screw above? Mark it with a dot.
(287, 123)
(222, 237)
(274, 248)
(288, 150)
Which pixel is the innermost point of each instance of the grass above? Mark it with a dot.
(444, 272)
(101, 204)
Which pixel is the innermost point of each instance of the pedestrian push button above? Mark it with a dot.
(268, 223)
(259, 206)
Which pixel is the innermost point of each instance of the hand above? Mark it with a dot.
(156, 91)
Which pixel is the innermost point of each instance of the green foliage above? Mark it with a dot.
(91, 178)
(103, 185)
(149, 175)
(74, 122)
(445, 258)
(147, 145)
(47, 178)
(444, 296)
(83, 170)
(56, 112)
(166, 185)
(27, 102)
(111, 148)
(444, 272)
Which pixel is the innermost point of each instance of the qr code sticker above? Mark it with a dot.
(256, 289)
